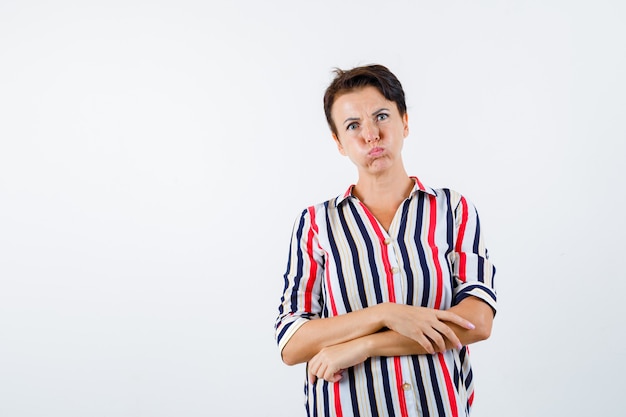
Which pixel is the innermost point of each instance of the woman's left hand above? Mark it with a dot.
(331, 361)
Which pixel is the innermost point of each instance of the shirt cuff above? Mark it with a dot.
(288, 330)
(478, 290)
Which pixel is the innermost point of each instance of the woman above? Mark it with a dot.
(387, 284)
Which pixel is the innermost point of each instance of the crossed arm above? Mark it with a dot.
(333, 344)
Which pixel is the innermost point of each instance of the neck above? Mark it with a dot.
(384, 189)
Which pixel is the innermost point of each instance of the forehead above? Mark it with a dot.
(366, 99)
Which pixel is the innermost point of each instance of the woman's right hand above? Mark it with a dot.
(424, 325)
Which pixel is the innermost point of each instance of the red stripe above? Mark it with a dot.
(399, 382)
(459, 242)
(435, 250)
(313, 269)
(309, 290)
(419, 183)
(333, 306)
(392, 298)
(338, 411)
(386, 263)
(449, 386)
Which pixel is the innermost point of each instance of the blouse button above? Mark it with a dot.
(395, 269)
(387, 241)
(406, 386)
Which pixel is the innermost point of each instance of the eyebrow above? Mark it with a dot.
(356, 119)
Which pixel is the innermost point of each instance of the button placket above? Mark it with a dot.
(393, 255)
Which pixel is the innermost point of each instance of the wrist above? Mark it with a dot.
(385, 315)
(366, 345)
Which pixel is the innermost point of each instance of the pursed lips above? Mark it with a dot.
(377, 151)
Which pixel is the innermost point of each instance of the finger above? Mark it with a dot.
(321, 372)
(337, 377)
(331, 375)
(425, 343)
(314, 366)
(311, 374)
(437, 339)
(456, 319)
(446, 331)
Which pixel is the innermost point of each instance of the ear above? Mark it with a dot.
(339, 145)
(405, 122)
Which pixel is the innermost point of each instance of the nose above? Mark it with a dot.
(370, 132)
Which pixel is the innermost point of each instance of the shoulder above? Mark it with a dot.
(453, 201)
(445, 195)
(312, 212)
(331, 204)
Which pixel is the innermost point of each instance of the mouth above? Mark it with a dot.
(375, 152)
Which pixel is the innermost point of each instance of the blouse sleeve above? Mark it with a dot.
(301, 299)
(473, 272)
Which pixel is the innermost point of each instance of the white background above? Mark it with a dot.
(154, 155)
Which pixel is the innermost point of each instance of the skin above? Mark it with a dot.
(371, 132)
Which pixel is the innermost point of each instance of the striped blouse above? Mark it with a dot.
(342, 260)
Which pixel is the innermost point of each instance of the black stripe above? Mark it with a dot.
(463, 294)
(308, 388)
(356, 264)
(481, 261)
(283, 331)
(449, 235)
(462, 354)
(386, 386)
(338, 265)
(469, 378)
(281, 307)
(353, 396)
(420, 251)
(326, 399)
(370, 253)
(420, 387)
(435, 386)
(406, 264)
(369, 380)
(300, 265)
(477, 234)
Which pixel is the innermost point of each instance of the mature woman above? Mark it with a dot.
(388, 283)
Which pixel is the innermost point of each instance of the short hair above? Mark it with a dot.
(374, 75)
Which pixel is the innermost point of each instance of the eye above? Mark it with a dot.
(352, 126)
(382, 116)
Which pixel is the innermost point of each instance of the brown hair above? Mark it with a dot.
(376, 76)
